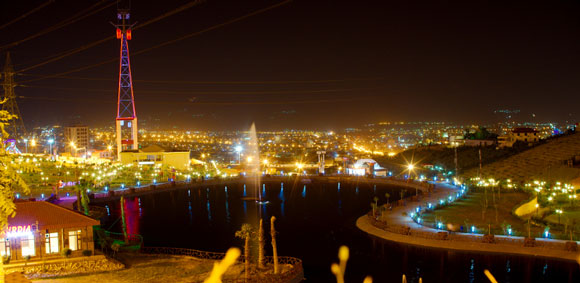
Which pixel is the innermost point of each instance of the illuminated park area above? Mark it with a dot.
(288, 141)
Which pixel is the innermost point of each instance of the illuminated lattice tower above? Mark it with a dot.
(15, 127)
(126, 121)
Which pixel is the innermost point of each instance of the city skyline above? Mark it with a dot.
(324, 65)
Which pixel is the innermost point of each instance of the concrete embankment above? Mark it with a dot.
(398, 227)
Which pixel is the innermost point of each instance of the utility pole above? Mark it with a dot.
(456, 171)
(480, 163)
(16, 127)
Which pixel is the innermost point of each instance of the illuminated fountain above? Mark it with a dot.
(253, 171)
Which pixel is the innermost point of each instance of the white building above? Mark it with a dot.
(363, 167)
(76, 140)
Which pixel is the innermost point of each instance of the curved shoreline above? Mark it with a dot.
(166, 187)
(364, 224)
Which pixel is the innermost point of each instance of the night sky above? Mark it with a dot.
(308, 64)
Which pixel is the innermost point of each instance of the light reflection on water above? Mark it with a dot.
(312, 226)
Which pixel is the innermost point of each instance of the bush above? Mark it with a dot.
(529, 242)
(489, 238)
(87, 253)
(6, 259)
(571, 246)
(66, 252)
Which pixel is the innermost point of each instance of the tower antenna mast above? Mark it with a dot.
(126, 120)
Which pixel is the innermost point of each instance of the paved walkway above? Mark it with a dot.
(442, 191)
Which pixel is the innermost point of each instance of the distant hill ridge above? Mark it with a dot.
(543, 162)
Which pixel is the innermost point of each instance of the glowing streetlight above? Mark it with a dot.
(239, 150)
(25, 144)
(50, 142)
(559, 211)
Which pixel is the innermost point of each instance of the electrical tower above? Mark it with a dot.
(16, 127)
(126, 121)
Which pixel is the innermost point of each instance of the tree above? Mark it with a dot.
(261, 242)
(388, 196)
(245, 233)
(82, 196)
(9, 179)
(274, 247)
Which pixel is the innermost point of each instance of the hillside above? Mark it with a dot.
(546, 161)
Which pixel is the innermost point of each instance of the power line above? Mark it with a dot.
(213, 82)
(27, 13)
(77, 17)
(167, 42)
(193, 92)
(70, 52)
(182, 103)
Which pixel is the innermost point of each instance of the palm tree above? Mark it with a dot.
(246, 233)
(261, 242)
(274, 247)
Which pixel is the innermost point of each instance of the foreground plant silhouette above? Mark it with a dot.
(246, 233)
(220, 268)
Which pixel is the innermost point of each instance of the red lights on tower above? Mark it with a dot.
(128, 34)
(119, 33)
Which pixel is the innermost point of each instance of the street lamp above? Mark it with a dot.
(50, 142)
(73, 146)
(26, 145)
(239, 149)
(33, 144)
(559, 211)
(410, 168)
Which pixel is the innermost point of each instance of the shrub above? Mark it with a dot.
(6, 259)
(66, 252)
(571, 246)
(87, 253)
(489, 238)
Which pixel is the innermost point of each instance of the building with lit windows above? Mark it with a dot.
(364, 167)
(76, 139)
(156, 155)
(41, 230)
(526, 135)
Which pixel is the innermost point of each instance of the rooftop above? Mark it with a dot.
(49, 216)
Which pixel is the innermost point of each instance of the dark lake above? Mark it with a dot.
(313, 221)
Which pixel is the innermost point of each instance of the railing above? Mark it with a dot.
(294, 274)
(132, 239)
(464, 237)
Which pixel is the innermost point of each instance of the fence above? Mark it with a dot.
(465, 237)
(295, 273)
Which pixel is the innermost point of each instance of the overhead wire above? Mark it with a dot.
(212, 82)
(181, 103)
(73, 51)
(303, 91)
(77, 17)
(251, 14)
(27, 13)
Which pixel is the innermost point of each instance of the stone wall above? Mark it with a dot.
(62, 267)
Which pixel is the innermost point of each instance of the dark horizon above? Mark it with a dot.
(324, 65)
